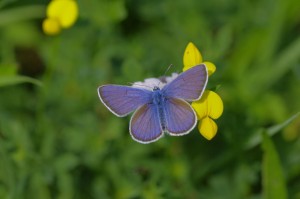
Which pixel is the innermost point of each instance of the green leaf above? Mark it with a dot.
(274, 185)
(9, 76)
(256, 138)
(17, 79)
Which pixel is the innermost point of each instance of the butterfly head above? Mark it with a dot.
(156, 88)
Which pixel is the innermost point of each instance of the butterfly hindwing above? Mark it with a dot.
(122, 100)
(145, 125)
(189, 85)
(179, 116)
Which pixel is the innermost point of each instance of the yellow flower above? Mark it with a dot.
(193, 57)
(210, 106)
(60, 14)
(208, 128)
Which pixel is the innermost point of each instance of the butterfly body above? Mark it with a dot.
(158, 110)
(159, 101)
(157, 96)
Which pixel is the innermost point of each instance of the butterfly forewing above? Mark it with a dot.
(180, 117)
(189, 85)
(145, 126)
(122, 100)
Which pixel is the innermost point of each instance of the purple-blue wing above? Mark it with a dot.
(145, 126)
(180, 117)
(122, 100)
(189, 85)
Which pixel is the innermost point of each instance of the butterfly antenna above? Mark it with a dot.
(168, 69)
(165, 73)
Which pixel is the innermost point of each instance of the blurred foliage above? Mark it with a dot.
(273, 179)
(58, 141)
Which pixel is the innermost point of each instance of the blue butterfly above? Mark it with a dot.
(158, 111)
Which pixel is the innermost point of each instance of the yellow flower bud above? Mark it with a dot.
(51, 26)
(64, 11)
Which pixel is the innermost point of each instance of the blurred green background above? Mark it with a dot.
(58, 141)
